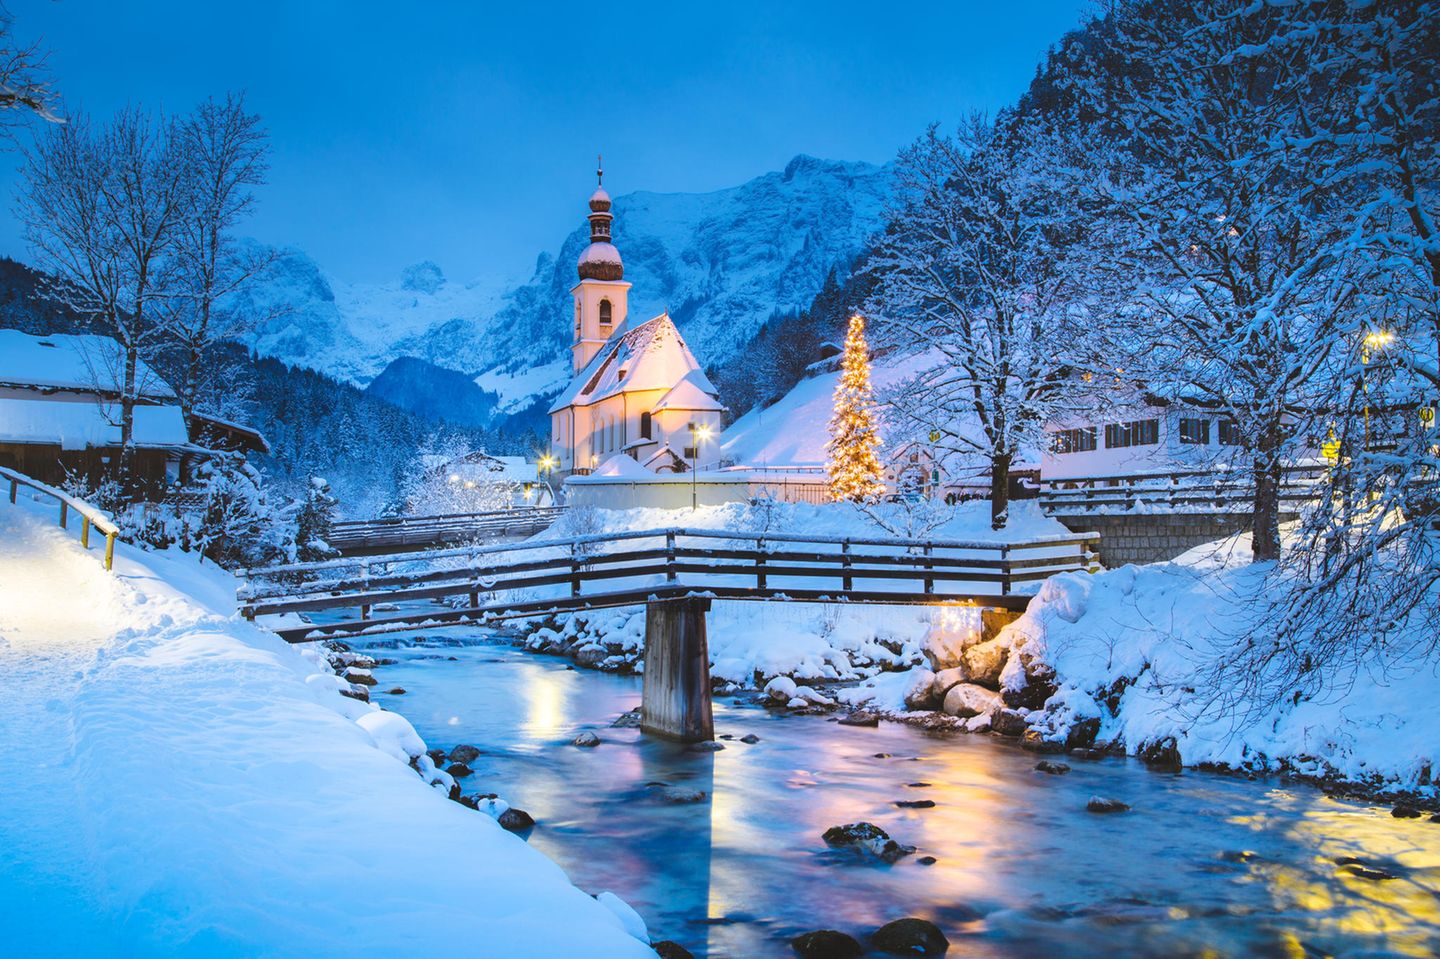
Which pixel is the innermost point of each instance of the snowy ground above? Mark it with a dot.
(175, 782)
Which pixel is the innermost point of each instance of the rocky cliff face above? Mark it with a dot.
(722, 263)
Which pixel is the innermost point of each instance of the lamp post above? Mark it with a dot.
(543, 468)
(1375, 340)
(698, 433)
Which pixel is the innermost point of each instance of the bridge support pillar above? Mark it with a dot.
(676, 698)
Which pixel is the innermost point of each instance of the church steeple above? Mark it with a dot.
(600, 261)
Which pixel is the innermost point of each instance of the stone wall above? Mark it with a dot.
(1153, 537)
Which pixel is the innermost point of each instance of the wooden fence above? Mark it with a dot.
(1186, 490)
(398, 533)
(90, 517)
(528, 579)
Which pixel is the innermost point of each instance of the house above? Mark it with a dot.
(60, 415)
(636, 387)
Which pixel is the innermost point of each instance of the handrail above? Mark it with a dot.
(1239, 474)
(574, 541)
(389, 522)
(89, 515)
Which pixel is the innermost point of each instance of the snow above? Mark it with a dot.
(86, 363)
(520, 388)
(622, 464)
(1160, 628)
(77, 424)
(173, 784)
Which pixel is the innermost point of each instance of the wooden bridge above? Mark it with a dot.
(400, 534)
(675, 573)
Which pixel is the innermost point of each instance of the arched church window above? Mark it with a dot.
(605, 313)
(645, 426)
(577, 321)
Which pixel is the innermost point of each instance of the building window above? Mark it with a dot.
(1194, 430)
(645, 424)
(1080, 440)
(690, 453)
(1229, 434)
(1136, 433)
(577, 320)
(605, 313)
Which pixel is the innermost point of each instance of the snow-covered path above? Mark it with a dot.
(176, 782)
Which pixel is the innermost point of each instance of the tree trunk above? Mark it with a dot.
(999, 490)
(1265, 528)
(129, 483)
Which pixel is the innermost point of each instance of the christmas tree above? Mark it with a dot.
(854, 466)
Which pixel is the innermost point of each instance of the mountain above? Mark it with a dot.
(723, 263)
(433, 392)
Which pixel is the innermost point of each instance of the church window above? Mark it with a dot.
(605, 313)
(577, 320)
(645, 426)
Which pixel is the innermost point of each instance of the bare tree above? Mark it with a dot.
(221, 148)
(974, 267)
(24, 90)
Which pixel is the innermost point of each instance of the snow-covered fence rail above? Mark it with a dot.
(1185, 490)
(90, 517)
(535, 578)
(390, 534)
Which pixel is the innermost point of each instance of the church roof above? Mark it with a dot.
(648, 356)
(690, 395)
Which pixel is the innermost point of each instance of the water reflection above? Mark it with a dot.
(1204, 866)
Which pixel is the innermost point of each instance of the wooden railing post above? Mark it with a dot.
(365, 587)
(85, 531)
(14, 488)
(574, 569)
(109, 550)
(847, 583)
(760, 562)
(929, 566)
(669, 556)
(1004, 570)
(64, 515)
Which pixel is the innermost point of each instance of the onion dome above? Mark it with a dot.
(600, 260)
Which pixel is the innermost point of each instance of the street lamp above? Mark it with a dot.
(699, 432)
(1375, 340)
(543, 468)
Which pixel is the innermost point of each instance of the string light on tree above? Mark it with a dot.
(854, 441)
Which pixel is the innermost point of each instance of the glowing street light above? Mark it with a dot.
(1379, 339)
(699, 432)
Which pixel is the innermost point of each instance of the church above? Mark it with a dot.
(638, 401)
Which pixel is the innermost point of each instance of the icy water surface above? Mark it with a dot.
(1204, 866)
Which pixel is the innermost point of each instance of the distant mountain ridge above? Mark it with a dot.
(722, 263)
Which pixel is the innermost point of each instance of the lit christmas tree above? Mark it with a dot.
(854, 466)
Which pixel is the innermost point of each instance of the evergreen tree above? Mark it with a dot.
(854, 443)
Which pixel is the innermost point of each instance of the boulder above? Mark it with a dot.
(591, 655)
(706, 746)
(825, 944)
(668, 949)
(1082, 733)
(586, 740)
(915, 803)
(966, 700)
(1161, 754)
(867, 839)
(1102, 805)
(356, 691)
(1009, 722)
(1054, 769)
(397, 691)
(1403, 811)
(360, 676)
(464, 754)
(945, 645)
(781, 689)
(750, 739)
(946, 680)
(437, 756)
(515, 820)
(1034, 741)
(459, 770)
(910, 937)
(921, 694)
(984, 662)
(859, 719)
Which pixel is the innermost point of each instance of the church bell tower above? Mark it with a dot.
(601, 295)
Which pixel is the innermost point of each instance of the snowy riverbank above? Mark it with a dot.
(176, 782)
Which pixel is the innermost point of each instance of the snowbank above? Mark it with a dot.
(176, 782)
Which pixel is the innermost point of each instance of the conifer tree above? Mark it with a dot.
(854, 443)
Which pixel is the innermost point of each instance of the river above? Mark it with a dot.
(1205, 865)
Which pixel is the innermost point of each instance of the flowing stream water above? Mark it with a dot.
(1204, 865)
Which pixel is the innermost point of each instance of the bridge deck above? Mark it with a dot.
(538, 578)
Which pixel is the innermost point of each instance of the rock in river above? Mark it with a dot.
(910, 937)
(668, 949)
(586, 739)
(1100, 804)
(464, 754)
(459, 770)
(859, 719)
(1054, 769)
(515, 820)
(825, 944)
(868, 839)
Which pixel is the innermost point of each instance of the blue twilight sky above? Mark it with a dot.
(466, 132)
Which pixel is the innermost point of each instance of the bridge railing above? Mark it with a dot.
(90, 517)
(625, 568)
(1181, 490)
(388, 533)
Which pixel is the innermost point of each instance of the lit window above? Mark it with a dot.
(605, 313)
(1079, 440)
(1136, 433)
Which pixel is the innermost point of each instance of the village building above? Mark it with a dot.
(637, 390)
(60, 415)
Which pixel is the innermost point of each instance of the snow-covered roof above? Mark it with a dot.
(621, 465)
(648, 356)
(71, 362)
(78, 425)
(600, 253)
(689, 395)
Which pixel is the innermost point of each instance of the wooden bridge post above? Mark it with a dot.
(675, 702)
(760, 563)
(846, 582)
(929, 565)
(669, 556)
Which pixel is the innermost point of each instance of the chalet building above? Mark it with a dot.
(637, 389)
(60, 415)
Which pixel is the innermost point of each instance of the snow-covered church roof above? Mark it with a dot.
(70, 362)
(648, 356)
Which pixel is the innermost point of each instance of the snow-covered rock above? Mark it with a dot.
(966, 700)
